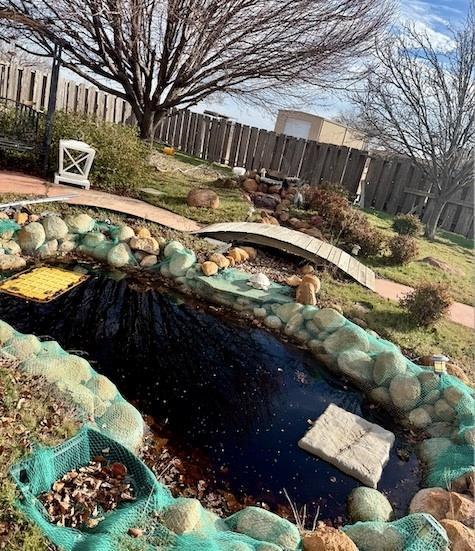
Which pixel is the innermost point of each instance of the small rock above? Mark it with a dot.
(145, 244)
(182, 516)
(368, 504)
(209, 268)
(148, 261)
(11, 247)
(48, 249)
(250, 185)
(260, 312)
(251, 251)
(405, 391)
(55, 227)
(265, 201)
(11, 262)
(172, 247)
(464, 484)
(286, 311)
(462, 538)
(273, 322)
(443, 410)
(377, 536)
(66, 246)
(31, 237)
(419, 418)
(293, 280)
(203, 198)
(220, 260)
(327, 539)
(143, 232)
(119, 255)
(124, 233)
(21, 218)
(357, 365)
(380, 395)
(181, 261)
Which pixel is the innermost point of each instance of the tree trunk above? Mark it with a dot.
(146, 125)
(437, 207)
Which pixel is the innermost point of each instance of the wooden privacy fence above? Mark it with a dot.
(391, 185)
(234, 144)
(396, 185)
(31, 87)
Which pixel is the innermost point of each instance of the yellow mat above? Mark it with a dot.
(42, 284)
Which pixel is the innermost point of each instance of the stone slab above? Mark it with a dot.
(355, 446)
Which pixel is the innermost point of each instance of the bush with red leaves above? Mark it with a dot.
(427, 303)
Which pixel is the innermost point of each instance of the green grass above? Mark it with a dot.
(176, 186)
(455, 250)
(389, 320)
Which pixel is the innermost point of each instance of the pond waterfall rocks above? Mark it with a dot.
(439, 408)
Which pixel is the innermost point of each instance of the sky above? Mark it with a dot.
(431, 16)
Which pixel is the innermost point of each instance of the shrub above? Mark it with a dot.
(371, 240)
(427, 303)
(120, 164)
(407, 224)
(403, 249)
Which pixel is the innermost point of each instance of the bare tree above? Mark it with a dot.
(160, 54)
(420, 102)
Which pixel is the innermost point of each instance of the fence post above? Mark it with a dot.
(51, 107)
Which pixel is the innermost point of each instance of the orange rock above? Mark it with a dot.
(250, 185)
(328, 539)
(461, 537)
(293, 280)
(443, 504)
(307, 269)
(312, 278)
(251, 251)
(21, 218)
(143, 232)
(220, 260)
(232, 262)
(306, 293)
(209, 268)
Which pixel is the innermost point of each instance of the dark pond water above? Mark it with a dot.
(234, 392)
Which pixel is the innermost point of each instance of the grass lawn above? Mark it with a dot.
(179, 174)
(389, 320)
(452, 249)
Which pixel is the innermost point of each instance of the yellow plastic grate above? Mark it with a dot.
(42, 284)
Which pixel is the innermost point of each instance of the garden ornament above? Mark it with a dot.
(259, 281)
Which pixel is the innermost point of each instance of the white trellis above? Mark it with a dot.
(75, 161)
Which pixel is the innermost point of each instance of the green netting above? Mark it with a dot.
(417, 532)
(37, 474)
(96, 398)
(7, 226)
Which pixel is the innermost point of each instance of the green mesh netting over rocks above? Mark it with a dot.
(36, 475)
(97, 398)
(417, 532)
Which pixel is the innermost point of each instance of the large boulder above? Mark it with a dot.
(119, 255)
(80, 223)
(250, 185)
(328, 539)
(93, 239)
(265, 201)
(31, 237)
(182, 516)
(263, 525)
(347, 338)
(368, 504)
(405, 391)
(102, 387)
(375, 536)
(419, 418)
(203, 198)
(328, 319)
(11, 262)
(387, 365)
(442, 504)
(357, 365)
(55, 227)
(461, 537)
(286, 311)
(171, 248)
(181, 262)
(123, 423)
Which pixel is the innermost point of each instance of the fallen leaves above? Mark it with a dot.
(82, 497)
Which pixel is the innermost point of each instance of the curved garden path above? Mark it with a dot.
(23, 184)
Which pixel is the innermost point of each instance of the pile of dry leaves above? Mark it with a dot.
(82, 496)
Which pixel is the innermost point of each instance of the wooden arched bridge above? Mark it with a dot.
(294, 242)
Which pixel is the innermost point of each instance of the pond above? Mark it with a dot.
(232, 391)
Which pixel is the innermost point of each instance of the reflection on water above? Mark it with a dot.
(235, 393)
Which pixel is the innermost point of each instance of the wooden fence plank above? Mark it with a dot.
(268, 152)
(260, 147)
(323, 151)
(296, 160)
(226, 142)
(276, 159)
(249, 162)
(245, 132)
(233, 148)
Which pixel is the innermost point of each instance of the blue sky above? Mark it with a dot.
(433, 16)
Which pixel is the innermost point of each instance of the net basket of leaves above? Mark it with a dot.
(89, 487)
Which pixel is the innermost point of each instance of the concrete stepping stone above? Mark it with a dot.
(355, 446)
